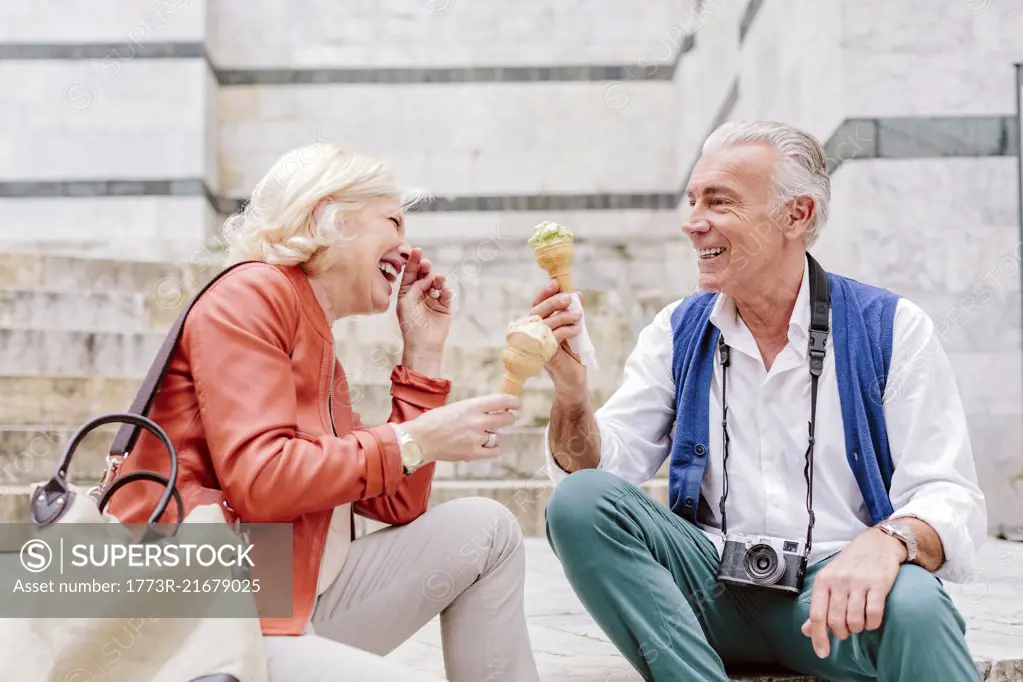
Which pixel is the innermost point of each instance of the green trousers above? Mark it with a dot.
(648, 578)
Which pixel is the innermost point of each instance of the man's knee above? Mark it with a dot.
(576, 505)
(918, 607)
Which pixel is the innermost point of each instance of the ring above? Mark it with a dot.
(491, 440)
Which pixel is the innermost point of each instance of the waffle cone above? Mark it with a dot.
(519, 365)
(556, 260)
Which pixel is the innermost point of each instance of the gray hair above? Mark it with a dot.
(803, 169)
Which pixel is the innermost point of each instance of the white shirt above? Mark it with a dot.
(768, 412)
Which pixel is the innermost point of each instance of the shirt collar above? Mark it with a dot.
(725, 317)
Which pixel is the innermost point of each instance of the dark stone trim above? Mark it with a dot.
(129, 50)
(301, 76)
(922, 138)
(731, 99)
(724, 111)
(526, 202)
(854, 139)
(481, 74)
(228, 205)
(752, 8)
(553, 202)
(101, 188)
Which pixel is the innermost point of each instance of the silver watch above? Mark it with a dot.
(902, 532)
(411, 452)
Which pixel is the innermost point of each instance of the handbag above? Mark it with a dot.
(137, 634)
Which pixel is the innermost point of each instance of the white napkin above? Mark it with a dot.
(581, 344)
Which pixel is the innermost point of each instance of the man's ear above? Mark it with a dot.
(799, 214)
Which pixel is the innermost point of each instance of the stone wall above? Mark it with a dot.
(917, 109)
(133, 127)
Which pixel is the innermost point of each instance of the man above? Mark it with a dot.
(895, 503)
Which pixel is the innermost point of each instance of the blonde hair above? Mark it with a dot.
(296, 211)
(803, 169)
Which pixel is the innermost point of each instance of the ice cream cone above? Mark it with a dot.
(530, 344)
(556, 259)
(518, 367)
(554, 248)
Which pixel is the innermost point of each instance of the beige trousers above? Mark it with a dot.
(463, 560)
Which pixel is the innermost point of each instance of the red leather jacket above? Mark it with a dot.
(258, 409)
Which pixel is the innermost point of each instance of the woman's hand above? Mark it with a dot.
(424, 314)
(463, 430)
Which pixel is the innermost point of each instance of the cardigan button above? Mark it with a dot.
(689, 501)
(700, 449)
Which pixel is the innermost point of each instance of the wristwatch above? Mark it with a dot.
(901, 532)
(411, 452)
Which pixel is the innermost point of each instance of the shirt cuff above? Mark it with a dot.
(950, 525)
(554, 470)
(417, 389)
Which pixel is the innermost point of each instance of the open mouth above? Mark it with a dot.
(707, 254)
(389, 271)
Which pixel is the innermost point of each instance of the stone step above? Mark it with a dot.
(527, 500)
(167, 280)
(481, 316)
(68, 399)
(30, 452)
(633, 265)
(130, 354)
(57, 351)
(112, 310)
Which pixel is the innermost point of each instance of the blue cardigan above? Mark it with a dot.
(862, 317)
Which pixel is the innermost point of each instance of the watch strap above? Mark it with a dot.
(410, 452)
(901, 532)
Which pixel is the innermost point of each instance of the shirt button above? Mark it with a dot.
(776, 501)
(700, 449)
(689, 501)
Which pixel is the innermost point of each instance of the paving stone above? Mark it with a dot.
(568, 645)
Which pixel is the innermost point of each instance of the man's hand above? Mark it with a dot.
(849, 593)
(567, 373)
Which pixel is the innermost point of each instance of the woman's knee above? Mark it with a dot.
(482, 529)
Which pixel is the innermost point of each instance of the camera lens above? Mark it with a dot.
(763, 565)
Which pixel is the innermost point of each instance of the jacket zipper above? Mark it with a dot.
(330, 414)
(330, 391)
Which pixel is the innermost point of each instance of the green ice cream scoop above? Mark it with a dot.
(547, 233)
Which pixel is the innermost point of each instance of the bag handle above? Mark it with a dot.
(129, 433)
(151, 534)
(53, 499)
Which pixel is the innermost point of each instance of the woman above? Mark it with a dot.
(258, 409)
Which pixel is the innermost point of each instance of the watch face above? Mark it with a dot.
(411, 452)
(901, 528)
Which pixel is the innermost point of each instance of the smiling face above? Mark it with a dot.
(370, 257)
(739, 235)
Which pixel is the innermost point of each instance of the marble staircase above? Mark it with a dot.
(78, 334)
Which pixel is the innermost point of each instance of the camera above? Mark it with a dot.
(763, 561)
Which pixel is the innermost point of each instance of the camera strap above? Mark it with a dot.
(820, 308)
